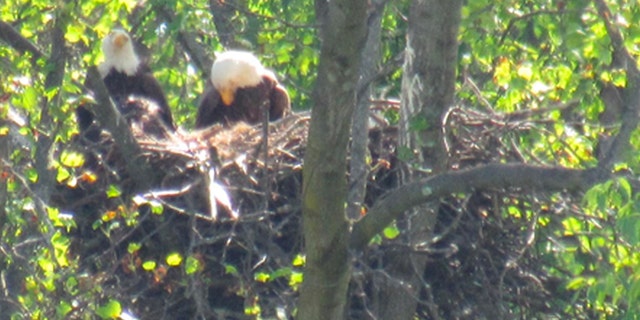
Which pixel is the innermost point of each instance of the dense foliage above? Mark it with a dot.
(539, 78)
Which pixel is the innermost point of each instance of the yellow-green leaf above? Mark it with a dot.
(111, 310)
(174, 259)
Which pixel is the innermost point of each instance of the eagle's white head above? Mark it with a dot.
(233, 70)
(119, 54)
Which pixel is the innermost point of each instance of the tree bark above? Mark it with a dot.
(58, 60)
(428, 87)
(326, 230)
(222, 12)
(358, 169)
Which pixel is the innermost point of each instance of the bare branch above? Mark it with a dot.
(513, 21)
(492, 176)
(17, 41)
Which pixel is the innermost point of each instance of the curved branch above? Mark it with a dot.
(483, 177)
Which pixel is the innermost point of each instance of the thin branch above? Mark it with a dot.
(267, 17)
(17, 41)
(513, 21)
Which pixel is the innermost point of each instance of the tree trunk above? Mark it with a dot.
(427, 91)
(326, 275)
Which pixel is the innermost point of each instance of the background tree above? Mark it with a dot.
(511, 190)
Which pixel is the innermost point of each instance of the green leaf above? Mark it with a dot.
(391, 232)
(149, 265)
(30, 98)
(262, 277)
(174, 259)
(111, 310)
(230, 269)
(63, 309)
(156, 207)
(63, 174)
(299, 260)
(71, 285)
(32, 175)
(72, 159)
(74, 33)
(97, 224)
(46, 264)
(113, 191)
(282, 272)
(629, 226)
(192, 265)
(133, 247)
(296, 279)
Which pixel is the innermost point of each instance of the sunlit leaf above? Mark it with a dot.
(133, 247)
(149, 265)
(32, 175)
(113, 191)
(72, 159)
(296, 279)
(63, 309)
(261, 277)
(174, 259)
(391, 232)
(63, 174)
(299, 260)
(110, 310)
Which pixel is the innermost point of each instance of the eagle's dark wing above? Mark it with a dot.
(209, 109)
(150, 88)
(280, 103)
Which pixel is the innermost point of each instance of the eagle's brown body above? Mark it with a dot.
(239, 89)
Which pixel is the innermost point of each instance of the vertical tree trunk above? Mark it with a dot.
(428, 85)
(326, 275)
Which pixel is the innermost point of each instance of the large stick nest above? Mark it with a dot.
(232, 203)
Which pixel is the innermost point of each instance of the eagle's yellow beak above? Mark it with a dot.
(120, 40)
(227, 96)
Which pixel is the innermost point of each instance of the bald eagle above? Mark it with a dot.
(238, 88)
(124, 74)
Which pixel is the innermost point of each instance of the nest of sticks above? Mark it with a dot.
(230, 201)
